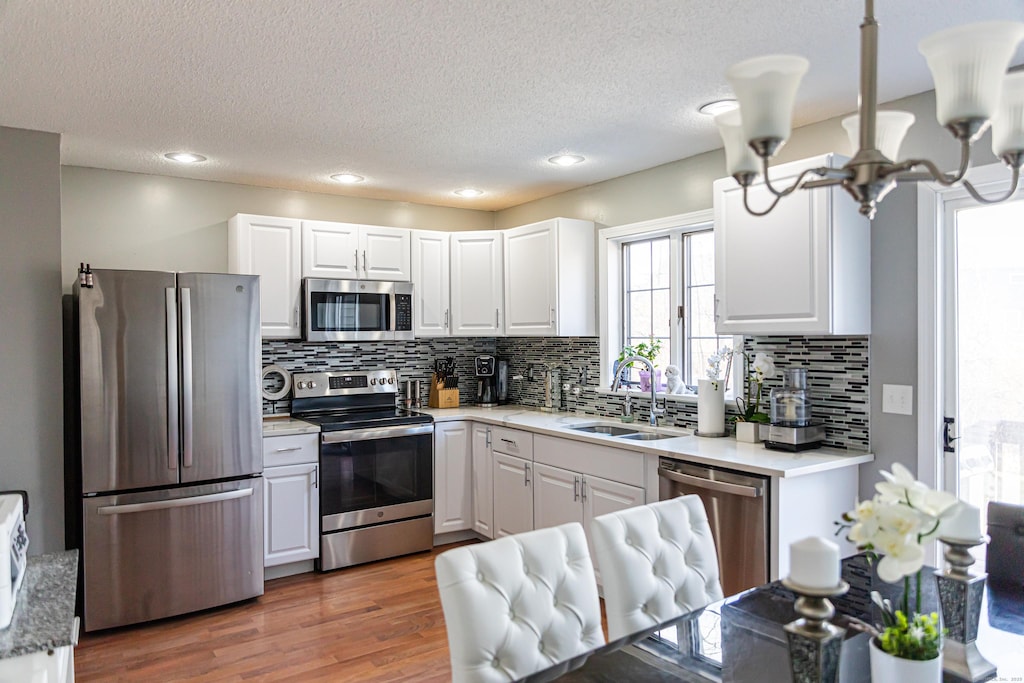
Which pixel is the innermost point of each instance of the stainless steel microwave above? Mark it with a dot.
(356, 310)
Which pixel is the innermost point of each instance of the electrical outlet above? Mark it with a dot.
(898, 399)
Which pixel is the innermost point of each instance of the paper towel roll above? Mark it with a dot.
(710, 406)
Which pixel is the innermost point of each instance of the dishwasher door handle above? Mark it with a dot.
(711, 484)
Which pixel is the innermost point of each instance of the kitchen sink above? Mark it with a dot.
(610, 430)
(647, 436)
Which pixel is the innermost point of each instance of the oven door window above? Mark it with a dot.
(349, 312)
(362, 475)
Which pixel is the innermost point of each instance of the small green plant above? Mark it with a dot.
(755, 371)
(648, 349)
(917, 638)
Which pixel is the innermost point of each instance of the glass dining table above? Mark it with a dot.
(741, 640)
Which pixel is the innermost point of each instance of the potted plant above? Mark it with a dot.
(755, 372)
(711, 394)
(649, 350)
(893, 525)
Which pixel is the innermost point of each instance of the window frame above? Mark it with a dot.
(611, 274)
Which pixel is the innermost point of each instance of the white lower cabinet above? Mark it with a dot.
(556, 497)
(453, 461)
(483, 481)
(291, 505)
(513, 495)
(602, 496)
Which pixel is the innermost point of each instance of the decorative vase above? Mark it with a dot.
(749, 432)
(887, 667)
(645, 380)
(710, 407)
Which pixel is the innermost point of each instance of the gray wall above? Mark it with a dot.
(685, 186)
(31, 445)
(114, 219)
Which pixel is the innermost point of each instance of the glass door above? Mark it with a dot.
(984, 373)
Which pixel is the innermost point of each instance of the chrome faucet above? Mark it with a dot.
(656, 412)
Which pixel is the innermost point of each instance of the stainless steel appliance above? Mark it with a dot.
(793, 439)
(737, 507)
(486, 380)
(376, 467)
(356, 310)
(13, 551)
(501, 374)
(171, 454)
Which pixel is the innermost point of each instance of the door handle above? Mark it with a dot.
(947, 435)
(446, 318)
(365, 269)
(496, 322)
(710, 484)
(186, 376)
(488, 441)
(552, 321)
(583, 489)
(171, 305)
(575, 489)
(526, 474)
(173, 503)
(357, 261)
(316, 482)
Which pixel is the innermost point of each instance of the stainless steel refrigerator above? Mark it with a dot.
(171, 454)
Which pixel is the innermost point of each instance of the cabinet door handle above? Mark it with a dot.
(316, 478)
(295, 316)
(488, 442)
(357, 261)
(288, 450)
(575, 489)
(552, 321)
(526, 474)
(496, 322)
(446, 318)
(583, 489)
(365, 269)
(716, 309)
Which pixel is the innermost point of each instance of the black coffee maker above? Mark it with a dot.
(485, 369)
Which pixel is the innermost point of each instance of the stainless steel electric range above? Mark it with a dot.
(376, 467)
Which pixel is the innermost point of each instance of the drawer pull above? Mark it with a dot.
(510, 442)
(288, 450)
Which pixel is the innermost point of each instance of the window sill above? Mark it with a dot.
(674, 398)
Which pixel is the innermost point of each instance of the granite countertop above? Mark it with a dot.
(286, 425)
(723, 452)
(44, 616)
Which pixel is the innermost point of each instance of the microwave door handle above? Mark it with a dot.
(171, 312)
(186, 376)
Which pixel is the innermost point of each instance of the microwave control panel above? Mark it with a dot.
(403, 312)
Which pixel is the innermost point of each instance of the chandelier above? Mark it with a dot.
(972, 92)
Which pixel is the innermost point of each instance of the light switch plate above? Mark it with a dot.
(898, 399)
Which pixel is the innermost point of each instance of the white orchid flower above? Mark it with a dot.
(901, 520)
(763, 366)
(902, 556)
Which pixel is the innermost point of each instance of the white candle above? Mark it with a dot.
(814, 563)
(964, 524)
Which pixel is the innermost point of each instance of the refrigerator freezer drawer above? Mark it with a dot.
(162, 553)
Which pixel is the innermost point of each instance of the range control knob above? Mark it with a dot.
(373, 381)
(391, 380)
(312, 385)
(300, 385)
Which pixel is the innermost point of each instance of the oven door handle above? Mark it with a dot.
(376, 433)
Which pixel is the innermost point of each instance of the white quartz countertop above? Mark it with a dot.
(286, 425)
(721, 452)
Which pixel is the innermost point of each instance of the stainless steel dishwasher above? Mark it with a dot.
(737, 507)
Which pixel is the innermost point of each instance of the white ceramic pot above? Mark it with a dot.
(710, 407)
(750, 432)
(886, 667)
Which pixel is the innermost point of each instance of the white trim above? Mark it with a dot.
(609, 270)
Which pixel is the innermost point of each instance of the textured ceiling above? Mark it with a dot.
(425, 96)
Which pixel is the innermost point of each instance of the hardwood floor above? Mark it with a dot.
(376, 622)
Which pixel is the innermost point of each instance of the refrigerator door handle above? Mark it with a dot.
(186, 376)
(171, 305)
(173, 503)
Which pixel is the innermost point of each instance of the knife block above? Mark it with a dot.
(441, 397)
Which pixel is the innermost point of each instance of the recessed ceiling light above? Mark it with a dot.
(566, 159)
(185, 157)
(348, 178)
(468, 192)
(718, 107)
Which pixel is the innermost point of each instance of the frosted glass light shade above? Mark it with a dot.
(968, 64)
(890, 129)
(766, 89)
(739, 158)
(1008, 123)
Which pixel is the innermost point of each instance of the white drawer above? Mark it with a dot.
(586, 458)
(512, 442)
(297, 449)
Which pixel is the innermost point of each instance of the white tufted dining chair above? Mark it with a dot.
(657, 562)
(519, 604)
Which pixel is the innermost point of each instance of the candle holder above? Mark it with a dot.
(814, 643)
(960, 595)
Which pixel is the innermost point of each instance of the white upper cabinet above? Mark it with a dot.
(270, 247)
(350, 251)
(431, 268)
(476, 284)
(549, 279)
(805, 268)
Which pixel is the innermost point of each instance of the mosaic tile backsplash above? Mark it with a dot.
(837, 373)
